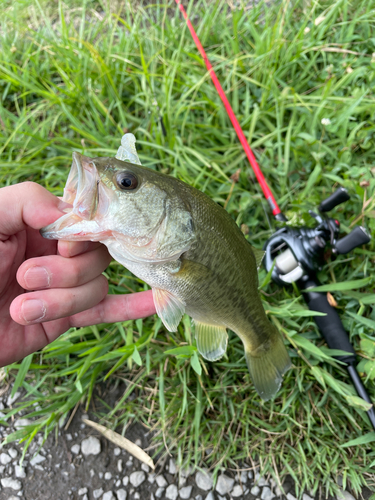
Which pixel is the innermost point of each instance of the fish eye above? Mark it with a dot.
(126, 181)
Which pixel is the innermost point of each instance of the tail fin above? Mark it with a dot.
(267, 365)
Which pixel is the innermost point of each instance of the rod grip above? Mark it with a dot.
(330, 325)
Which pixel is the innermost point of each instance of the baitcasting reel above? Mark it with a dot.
(300, 252)
(298, 255)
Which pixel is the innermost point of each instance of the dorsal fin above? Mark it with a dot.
(258, 254)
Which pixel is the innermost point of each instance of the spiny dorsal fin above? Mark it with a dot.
(212, 340)
(169, 308)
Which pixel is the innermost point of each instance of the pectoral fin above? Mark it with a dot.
(169, 308)
(212, 340)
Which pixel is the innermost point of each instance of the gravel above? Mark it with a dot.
(224, 484)
(86, 468)
(171, 492)
(91, 446)
(8, 482)
(137, 478)
(204, 480)
(185, 492)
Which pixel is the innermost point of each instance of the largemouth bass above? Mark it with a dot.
(185, 246)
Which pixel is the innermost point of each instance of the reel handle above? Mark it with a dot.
(356, 238)
(339, 196)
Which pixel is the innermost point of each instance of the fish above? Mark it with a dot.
(185, 246)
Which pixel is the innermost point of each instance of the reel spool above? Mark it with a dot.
(300, 252)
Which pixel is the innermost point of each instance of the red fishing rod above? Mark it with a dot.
(297, 254)
(237, 127)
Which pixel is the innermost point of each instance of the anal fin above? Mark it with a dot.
(169, 308)
(212, 340)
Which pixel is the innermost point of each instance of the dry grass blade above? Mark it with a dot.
(122, 442)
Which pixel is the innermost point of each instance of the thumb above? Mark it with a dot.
(27, 204)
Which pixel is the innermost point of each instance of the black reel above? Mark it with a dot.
(300, 252)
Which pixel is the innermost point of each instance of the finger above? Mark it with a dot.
(54, 271)
(48, 305)
(71, 248)
(27, 204)
(116, 308)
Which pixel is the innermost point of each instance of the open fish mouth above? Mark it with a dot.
(88, 197)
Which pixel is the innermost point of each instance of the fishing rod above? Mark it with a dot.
(297, 254)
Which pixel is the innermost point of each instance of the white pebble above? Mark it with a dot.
(98, 493)
(260, 480)
(20, 471)
(11, 399)
(92, 473)
(161, 481)
(82, 491)
(290, 497)
(255, 490)
(137, 478)
(125, 481)
(210, 496)
(118, 483)
(306, 497)
(129, 463)
(85, 497)
(117, 451)
(8, 482)
(204, 480)
(69, 437)
(138, 442)
(151, 478)
(119, 465)
(121, 494)
(344, 495)
(159, 492)
(224, 484)
(268, 495)
(37, 460)
(136, 496)
(91, 446)
(243, 477)
(250, 474)
(107, 476)
(237, 491)
(171, 492)
(5, 459)
(75, 449)
(13, 452)
(108, 495)
(172, 466)
(185, 492)
(145, 467)
(100, 475)
(22, 422)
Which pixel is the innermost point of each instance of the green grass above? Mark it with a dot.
(75, 77)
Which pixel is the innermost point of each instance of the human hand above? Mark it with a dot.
(46, 286)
